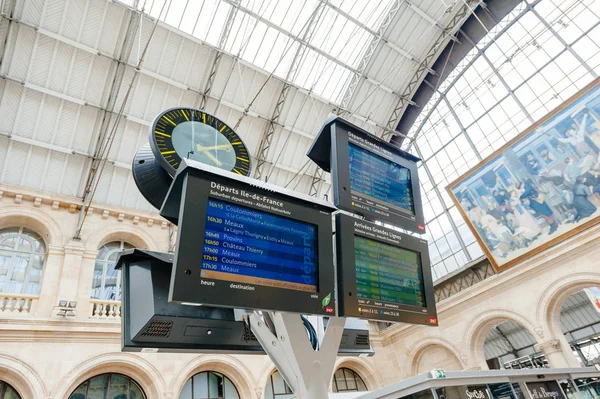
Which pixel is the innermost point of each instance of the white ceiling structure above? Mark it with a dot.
(83, 79)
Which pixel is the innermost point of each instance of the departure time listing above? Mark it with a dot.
(380, 180)
(253, 247)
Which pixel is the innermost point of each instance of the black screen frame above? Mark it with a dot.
(348, 302)
(341, 136)
(196, 191)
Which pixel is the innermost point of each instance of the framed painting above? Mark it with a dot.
(540, 188)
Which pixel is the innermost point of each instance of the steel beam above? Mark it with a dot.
(306, 43)
(357, 78)
(267, 137)
(465, 68)
(462, 128)
(103, 136)
(9, 16)
(422, 70)
(219, 54)
(439, 195)
(560, 39)
(500, 77)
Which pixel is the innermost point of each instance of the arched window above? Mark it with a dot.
(108, 386)
(22, 254)
(209, 385)
(8, 392)
(277, 388)
(346, 380)
(106, 283)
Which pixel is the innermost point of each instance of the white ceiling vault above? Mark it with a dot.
(276, 68)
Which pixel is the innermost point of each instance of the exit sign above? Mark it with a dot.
(438, 373)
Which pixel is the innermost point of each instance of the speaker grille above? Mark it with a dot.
(361, 339)
(158, 329)
(248, 334)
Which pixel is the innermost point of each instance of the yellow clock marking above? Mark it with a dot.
(204, 118)
(237, 142)
(242, 159)
(223, 128)
(184, 114)
(238, 172)
(168, 152)
(162, 134)
(173, 123)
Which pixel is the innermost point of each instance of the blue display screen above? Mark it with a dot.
(247, 246)
(379, 179)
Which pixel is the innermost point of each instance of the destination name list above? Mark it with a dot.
(253, 247)
(380, 179)
(387, 273)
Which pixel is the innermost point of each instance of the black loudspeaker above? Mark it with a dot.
(150, 178)
(152, 324)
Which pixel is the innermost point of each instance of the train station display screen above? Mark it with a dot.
(383, 274)
(379, 179)
(252, 247)
(374, 179)
(387, 273)
(246, 244)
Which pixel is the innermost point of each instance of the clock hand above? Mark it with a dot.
(226, 147)
(209, 155)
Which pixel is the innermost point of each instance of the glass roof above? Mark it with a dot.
(538, 56)
(315, 44)
(535, 58)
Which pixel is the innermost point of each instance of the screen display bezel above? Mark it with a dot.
(341, 136)
(348, 301)
(186, 283)
(316, 249)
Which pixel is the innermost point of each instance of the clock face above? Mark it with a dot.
(180, 133)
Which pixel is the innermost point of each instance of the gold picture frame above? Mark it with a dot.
(532, 193)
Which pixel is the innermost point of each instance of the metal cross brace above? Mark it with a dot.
(307, 371)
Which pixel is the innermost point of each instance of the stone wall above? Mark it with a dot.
(44, 355)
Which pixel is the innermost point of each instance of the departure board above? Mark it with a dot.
(247, 246)
(387, 273)
(378, 179)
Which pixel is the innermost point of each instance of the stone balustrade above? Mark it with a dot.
(16, 303)
(105, 309)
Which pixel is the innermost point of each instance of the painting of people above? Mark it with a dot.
(540, 188)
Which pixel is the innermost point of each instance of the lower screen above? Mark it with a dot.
(247, 246)
(388, 273)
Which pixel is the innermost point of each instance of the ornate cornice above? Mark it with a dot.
(56, 202)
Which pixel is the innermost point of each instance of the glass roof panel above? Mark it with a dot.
(270, 33)
(526, 66)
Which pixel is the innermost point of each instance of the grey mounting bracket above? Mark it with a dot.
(308, 372)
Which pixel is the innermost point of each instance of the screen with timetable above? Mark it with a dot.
(387, 273)
(380, 180)
(248, 246)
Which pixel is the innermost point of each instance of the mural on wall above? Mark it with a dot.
(540, 188)
(594, 294)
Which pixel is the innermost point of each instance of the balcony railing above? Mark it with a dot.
(16, 303)
(104, 309)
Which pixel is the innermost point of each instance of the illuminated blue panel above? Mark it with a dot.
(253, 247)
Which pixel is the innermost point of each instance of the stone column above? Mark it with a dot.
(557, 353)
(50, 281)
(86, 273)
(69, 278)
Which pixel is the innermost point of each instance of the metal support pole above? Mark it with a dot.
(308, 372)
